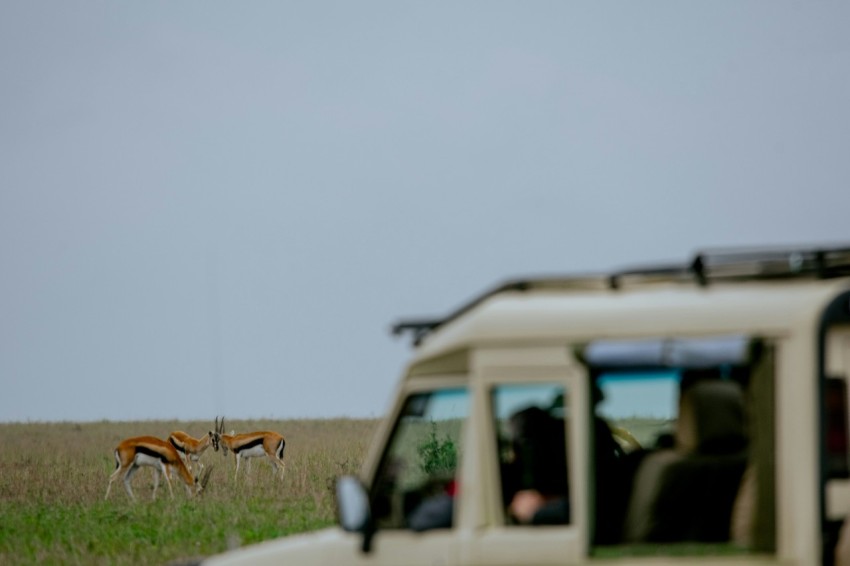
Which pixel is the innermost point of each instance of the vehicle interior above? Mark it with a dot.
(691, 462)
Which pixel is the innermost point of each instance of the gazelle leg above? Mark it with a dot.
(277, 465)
(278, 458)
(165, 473)
(155, 482)
(114, 475)
(112, 478)
(131, 471)
(236, 475)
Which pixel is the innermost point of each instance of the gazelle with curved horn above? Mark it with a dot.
(191, 448)
(251, 445)
(156, 453)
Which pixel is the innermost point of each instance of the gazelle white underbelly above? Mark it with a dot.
(253, 452)
(145, 460)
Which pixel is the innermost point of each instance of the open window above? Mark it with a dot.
(531, 429)
(531, 469)
(416, 482)
(682, 447)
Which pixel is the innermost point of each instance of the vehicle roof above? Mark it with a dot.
(764, 292)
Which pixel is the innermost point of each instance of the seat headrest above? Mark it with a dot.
(711, 418)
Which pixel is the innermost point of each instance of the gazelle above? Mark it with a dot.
(138, 451)
(251, 445)
(191, 448)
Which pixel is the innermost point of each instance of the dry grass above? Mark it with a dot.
(53, 478)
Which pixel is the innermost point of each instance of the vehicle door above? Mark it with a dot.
(533, 456)
(412, 499)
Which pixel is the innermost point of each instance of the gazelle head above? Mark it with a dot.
(213, 440)
(216, 436)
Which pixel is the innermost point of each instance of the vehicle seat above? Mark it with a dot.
(686, 493)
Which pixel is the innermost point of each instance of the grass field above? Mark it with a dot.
(53, 478)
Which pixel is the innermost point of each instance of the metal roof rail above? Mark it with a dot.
(660, 273)
(773, 263)
(721, 264)
(421, 327)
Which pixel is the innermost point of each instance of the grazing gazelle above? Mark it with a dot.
(133, 453)
(251, 445)
(191, 448)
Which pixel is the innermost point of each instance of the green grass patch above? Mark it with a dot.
(53, 479)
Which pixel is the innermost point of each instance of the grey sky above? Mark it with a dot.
(219, 208)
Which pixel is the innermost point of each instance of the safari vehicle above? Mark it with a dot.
(691, 413)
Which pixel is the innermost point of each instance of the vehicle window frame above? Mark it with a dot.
(761, 351)
(567, 541)
(499, 421)
(414, 387)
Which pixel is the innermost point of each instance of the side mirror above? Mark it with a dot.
(353, 507)
(353, 504)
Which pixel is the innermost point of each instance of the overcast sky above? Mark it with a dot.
(221, 207)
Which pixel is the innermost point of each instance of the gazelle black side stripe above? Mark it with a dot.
(249, 445)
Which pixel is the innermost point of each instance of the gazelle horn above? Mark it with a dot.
(205, 477)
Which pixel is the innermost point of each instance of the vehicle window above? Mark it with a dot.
(417, 480)
(531, 428)
(695, 454)
(835, 405)
(633, 411)
(836, 445)
(639, 406)
(685, 449)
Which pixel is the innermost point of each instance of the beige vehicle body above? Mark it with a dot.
(772, 324)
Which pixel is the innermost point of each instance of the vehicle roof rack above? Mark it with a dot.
(718, 264)
(773, 263)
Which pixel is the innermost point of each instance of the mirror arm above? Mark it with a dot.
(368, 534)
